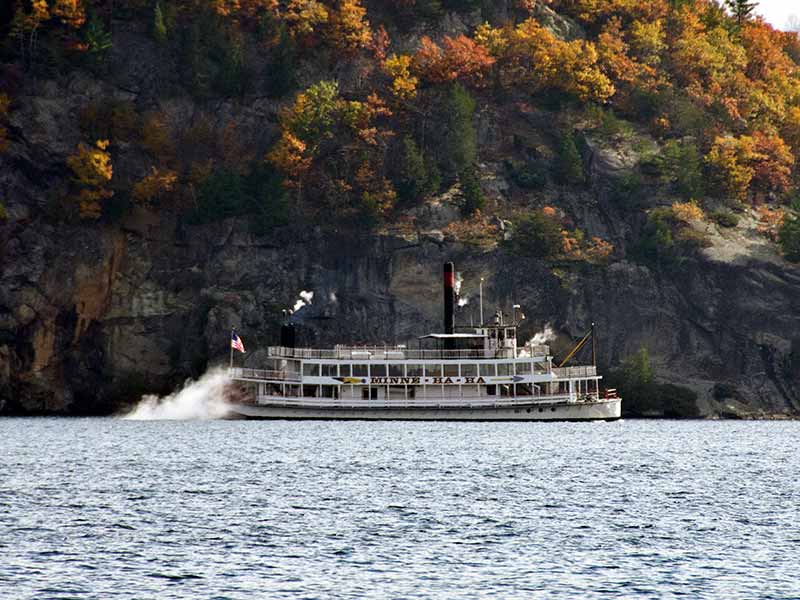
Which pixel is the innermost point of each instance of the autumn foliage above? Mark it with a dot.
(91, 173)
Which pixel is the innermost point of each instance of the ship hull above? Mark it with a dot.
(607, 410)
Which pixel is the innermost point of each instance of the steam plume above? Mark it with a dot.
(201, 399)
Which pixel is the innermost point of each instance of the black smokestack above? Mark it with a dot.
(287, 335)
(449, 298)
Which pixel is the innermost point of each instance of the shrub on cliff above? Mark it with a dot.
(536, 235)
(789, 238)
(568, 168)
(643, 397)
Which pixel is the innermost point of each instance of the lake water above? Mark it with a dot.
(106, 508)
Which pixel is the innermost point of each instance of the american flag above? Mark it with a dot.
(236, 342)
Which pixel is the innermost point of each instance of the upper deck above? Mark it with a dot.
(400, 353)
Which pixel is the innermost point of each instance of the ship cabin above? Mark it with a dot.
(472, 367)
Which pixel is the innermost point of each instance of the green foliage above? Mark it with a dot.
(643, 397)
(98, 39)
(536, 235)
(414, 179)
(607, 124)
(682, 165)
(463, 145)
(628, 191)
(259, 194)
(568, 167)
(741, 10)
(280, 71)
(656, 241)
(471, 190)
(789, 238)
(160, 32)
(528, 175)
(725, 218)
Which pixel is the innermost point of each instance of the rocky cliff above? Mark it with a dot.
(92, 315)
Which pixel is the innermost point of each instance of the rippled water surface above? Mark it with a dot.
(102, 508)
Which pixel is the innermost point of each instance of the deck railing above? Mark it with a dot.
(464, 402)
(240, 373)
(370, 353)
(572, 372)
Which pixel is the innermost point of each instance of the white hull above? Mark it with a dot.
(582, 411)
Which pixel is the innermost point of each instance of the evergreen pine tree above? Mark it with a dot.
(463, 140)
(569, 165)
(159, 24)
(741, 10)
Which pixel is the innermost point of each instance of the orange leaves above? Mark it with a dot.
(289, 155)
(71, 12)
(762, 160)
(459, 58)
(304, 16)
(154, 185)
(687, 212)
(92, 170)
(770, 221)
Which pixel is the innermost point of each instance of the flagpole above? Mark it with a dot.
(230, 343)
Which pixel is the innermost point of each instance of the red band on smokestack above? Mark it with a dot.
(449, 279)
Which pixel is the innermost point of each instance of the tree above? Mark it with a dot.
(304, 16)
(789, 238)
(70, 12)
(460, 58)
(741, 10)
(92, 171)
(98, 39)
(471, 190)
(462, 138)
(154, 185)
(349, 30)
(728, 162)
(537, 235)
(569, 164)
(404, 84)
(412, 181)
(681, 164)
(159, 24)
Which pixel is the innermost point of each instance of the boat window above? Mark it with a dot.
(293, 391)
(311, 369)
(377, 370)
(396, 370)
(310, 391)
(524, 389)
(397, 392)
(329, 371)
(501, 335)
(330, 391)
(433, 370)
(344, 370)
(451, 370)
(487, 370)
(504, 369)
(412, 392)
(510, 333)
(360, 371)
(523, 368)
(469, 370)
(491, 390)
(414, 370)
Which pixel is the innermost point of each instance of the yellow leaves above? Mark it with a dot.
(404, 84)
(303, 16)
(349, 30)
(728, 159)
(491, 38)
(71, 12)
(156, 137)
(687, 212)
(154, 185)
(92, 169)
(289, 156)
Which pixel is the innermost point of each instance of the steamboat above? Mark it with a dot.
(474, 374)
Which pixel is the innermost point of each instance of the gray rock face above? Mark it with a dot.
(92, 316)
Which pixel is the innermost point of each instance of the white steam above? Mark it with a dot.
(457, 283)
(201, 399)
(543, 336)
(332, 298)
(304, 300)
(463, 300)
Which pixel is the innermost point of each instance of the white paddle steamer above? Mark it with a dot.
(478, 374)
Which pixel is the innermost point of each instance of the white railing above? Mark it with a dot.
(466, 402)
(575, 372)
(369, 353)
(240, 373)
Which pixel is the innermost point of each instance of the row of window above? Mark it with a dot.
(413, 370)
(400, 391)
